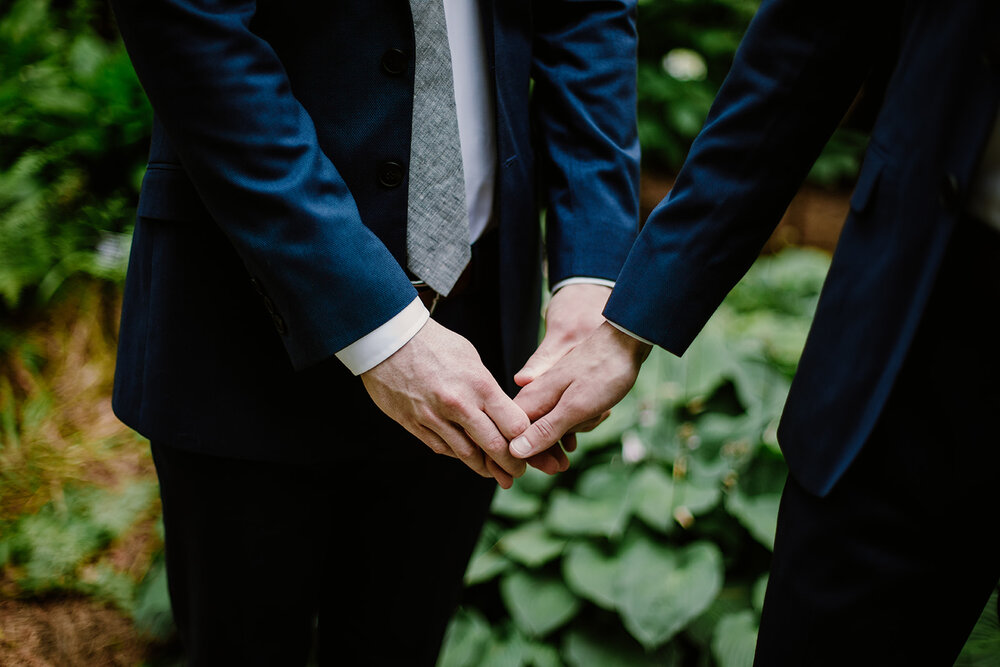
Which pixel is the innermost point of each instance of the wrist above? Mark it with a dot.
(627, 344)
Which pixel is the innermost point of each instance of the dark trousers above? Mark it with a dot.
(894, 566)
(365, 553)
(371, 556)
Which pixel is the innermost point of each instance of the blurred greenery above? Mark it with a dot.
(74, 128)
(652, 550)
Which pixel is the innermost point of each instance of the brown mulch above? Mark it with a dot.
(67, 633)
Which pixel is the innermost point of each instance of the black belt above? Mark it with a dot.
(431, 299)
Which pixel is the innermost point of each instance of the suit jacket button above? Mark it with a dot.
(951, 193)
(390, 174)
(279, 323)
(394, 62)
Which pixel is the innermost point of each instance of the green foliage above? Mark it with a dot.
(57, 548)
(74, 126)
(655, 544)
(685, 50)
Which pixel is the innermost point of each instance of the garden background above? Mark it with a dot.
(652, 550)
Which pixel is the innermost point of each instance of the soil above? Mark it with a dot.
(67, 633)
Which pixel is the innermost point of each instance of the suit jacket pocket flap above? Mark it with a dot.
(168, 194)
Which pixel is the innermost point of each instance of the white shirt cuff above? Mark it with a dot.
(626, 331)
(582, 280)
(374, 348)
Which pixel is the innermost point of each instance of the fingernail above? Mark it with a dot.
(520, 446)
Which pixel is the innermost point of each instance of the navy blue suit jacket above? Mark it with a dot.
(271, 224)
(798, 69)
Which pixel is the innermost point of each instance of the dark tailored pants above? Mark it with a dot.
(375, 549)
(895, 565)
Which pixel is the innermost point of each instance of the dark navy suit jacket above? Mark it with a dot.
(271, 224)
(798, 69)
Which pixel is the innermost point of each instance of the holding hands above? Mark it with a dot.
(437, 388)
(577, 393)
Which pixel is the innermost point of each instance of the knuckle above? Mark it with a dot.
(546, 428)
(495, 444)
(451, 401)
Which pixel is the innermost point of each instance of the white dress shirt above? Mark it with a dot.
(477, 137)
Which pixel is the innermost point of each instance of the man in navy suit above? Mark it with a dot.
(886, 550)
(268, 269)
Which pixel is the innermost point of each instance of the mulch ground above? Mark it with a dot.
(68, 633)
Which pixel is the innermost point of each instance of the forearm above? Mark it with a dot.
(251, 151)
(584, 106)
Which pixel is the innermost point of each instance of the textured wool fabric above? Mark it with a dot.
(437, 228)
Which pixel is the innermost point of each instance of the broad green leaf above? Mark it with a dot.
(656, 497)
(600, 506)
(542, 655)
(466, 641)
(531, 544)
(570, 514)
(538, 604)
(652, 494)
(701, 630)
(609, 480)
(516, 503)
(585, 649)
(591, 574)
(487, 560)
(659, 590)
(485, 566)
(758, 514)
(535, 482)
(735, 639)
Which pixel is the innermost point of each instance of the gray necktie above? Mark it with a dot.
(437, 227)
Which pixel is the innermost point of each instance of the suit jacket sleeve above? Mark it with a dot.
(251, 151)
(584, 112)
(797, 70)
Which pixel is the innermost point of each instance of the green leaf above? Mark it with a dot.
(601, 508)
(538, 604)
(585, 649)
(652, 494)
(570, 514)
(531, 544)
(660, 590)
(656, 497)
(516, 503)
(487, 560)
(735, 639)
(758, 514)
(591, 574)
(485, 566)
(467, 639)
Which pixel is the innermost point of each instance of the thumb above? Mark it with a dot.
(543, 433)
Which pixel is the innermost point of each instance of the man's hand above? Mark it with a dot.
(574, 312)
(437, 388)
(579, 390)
